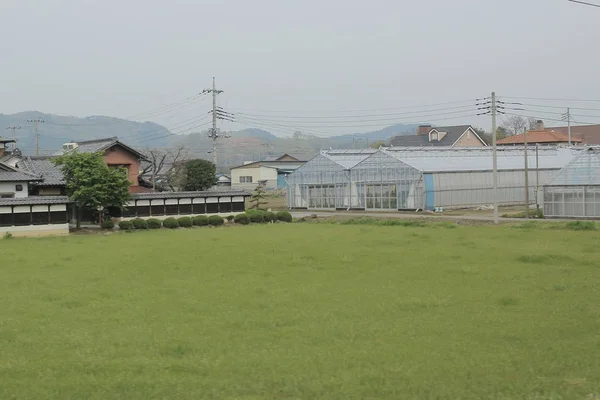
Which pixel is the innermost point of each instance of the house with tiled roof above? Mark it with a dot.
(589, 134)
(52, 182)
(116, 155)
(440, 136)
(540, 136)
(14, 183)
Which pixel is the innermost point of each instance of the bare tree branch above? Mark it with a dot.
(515, 124)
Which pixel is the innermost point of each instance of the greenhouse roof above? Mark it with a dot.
(583, 170)
(348, 158)
(480, 159)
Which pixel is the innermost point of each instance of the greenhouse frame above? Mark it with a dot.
(405, 178)
(575, 191)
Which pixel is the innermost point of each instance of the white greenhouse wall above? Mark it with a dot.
(466, 189)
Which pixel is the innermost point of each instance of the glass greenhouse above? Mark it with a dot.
(575, 191)
(407, 178)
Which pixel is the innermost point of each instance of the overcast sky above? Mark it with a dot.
(122, 58)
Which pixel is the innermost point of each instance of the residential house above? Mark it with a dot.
(223, 180)
(589, 134)
(272, 172)
(446, 136)
(15, 183)
(116, 155)
(52, 181)
(540, 136)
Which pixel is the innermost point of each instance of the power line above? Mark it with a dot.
(584, 3)
(352, 111)
(551, 99)
(347, 117)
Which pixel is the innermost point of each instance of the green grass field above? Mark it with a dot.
(303, 311)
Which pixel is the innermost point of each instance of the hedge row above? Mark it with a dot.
(259, 217)
(200, 220)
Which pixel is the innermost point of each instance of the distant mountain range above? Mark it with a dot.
(244, 145)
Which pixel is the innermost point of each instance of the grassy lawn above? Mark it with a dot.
(303, 311)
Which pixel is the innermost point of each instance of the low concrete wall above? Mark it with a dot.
(163, 217)
(36, 230)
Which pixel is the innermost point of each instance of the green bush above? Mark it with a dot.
(257, 218)
(171, 223)
(242, 219)
(230, 218)
(108, 224)
(125, 225)
(200, 220)
(284, 216)
(215, 220)
(139, 223)
(154, 223)
(185, 222)
(270, 217)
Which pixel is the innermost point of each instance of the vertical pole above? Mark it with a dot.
(537, 175)
(526, 177)
(569, 124)
(214, 124)
(37, 139)
(495, 160)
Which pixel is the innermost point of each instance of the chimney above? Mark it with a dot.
(423, 129)
(539, 125)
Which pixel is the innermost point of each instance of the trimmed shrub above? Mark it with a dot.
(215, 220)
(154, 223)
(270, 217)
(170, 223)
(257, 218)
(200, 220)
(125, 225)
(230, 218)
(107, 224)
(284, 216)
(139, 223)
(242, 219)
(184, 222)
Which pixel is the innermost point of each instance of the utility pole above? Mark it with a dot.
(537, 176)
(489, 106)
(526, 177)
(36, 122)
(567, 117)
(494, 157)
(569, 124)
(217, 113)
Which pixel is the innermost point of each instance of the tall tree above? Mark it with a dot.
(257, 198)
(91, 184)
(199, 175)
(159, 165)
(515, 124)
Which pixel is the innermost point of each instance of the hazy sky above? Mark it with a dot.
(122, 58)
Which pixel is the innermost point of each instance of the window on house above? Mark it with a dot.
(19, 188)
(7, 195)
(245, 179)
